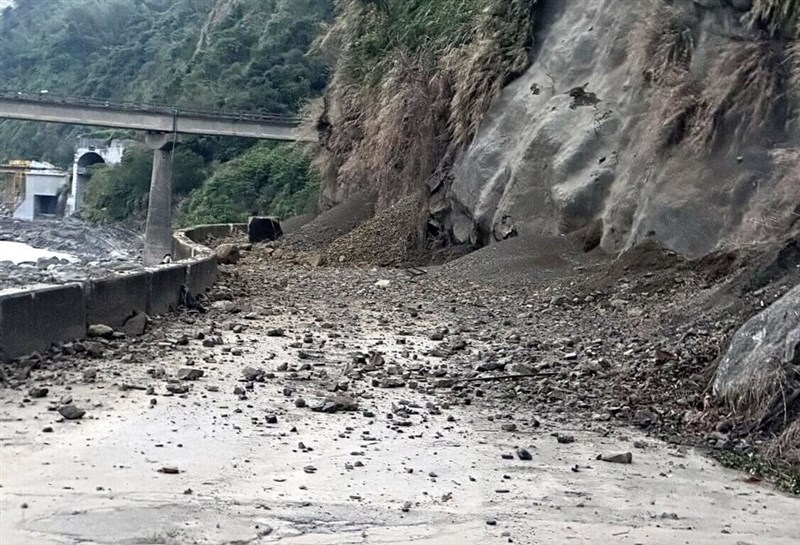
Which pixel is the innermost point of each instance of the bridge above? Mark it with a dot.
(163, 125)
(148, 117)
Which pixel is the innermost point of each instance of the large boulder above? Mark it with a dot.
(260, 229)
(763, 354)
(228, 254)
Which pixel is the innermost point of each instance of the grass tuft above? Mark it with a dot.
(778, 17)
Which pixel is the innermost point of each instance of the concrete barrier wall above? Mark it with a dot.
(33, 320)
(112, 301)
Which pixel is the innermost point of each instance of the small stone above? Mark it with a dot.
(444, 383)
(100, 330)
(310, 470)
(177, 388)
(565, 438)
(38, 392)
(621, 458)
(169, 470)
(276, 332)
(524, 454)
(265, 531)
(510, 427)
(491, 522)
(228, 254)
(300, 403)
(271, 419)
(188, 373)
(490, 366)
(71, 412)
(252, 374)
(136, 325)
(337, 403)
(392, 382)
(47, 429)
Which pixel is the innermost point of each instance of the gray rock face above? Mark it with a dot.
(764, 349)
(578, 141)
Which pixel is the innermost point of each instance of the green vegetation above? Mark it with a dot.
(413, 27)
(230, 55)
(275, 179)
(760, 467)
(119, 193)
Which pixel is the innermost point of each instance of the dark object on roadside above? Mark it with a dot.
(260, 229)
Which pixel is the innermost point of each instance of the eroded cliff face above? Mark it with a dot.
(672, 121)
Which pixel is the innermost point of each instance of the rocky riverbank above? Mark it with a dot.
(84, 251)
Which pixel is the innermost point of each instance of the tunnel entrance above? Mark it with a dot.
(82, 175)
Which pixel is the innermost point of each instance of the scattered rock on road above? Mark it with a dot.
(337, 403)
(228, 254)
(524, 454)
(37, 393)
(187, 373)
(71, 412)
(100, 330)
(621, 458)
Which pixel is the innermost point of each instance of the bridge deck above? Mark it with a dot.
(145, 117)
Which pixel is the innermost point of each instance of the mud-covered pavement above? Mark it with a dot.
(436, 394)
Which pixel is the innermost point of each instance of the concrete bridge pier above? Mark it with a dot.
(158, 232)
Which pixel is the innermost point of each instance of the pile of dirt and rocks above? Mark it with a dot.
(388, 238)
(653, 322)
(331, 224)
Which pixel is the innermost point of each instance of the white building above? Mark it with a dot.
(90, 152)
(33, 190)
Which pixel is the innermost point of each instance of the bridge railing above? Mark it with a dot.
(91, 102)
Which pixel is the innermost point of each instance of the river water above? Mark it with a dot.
(17, 253)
